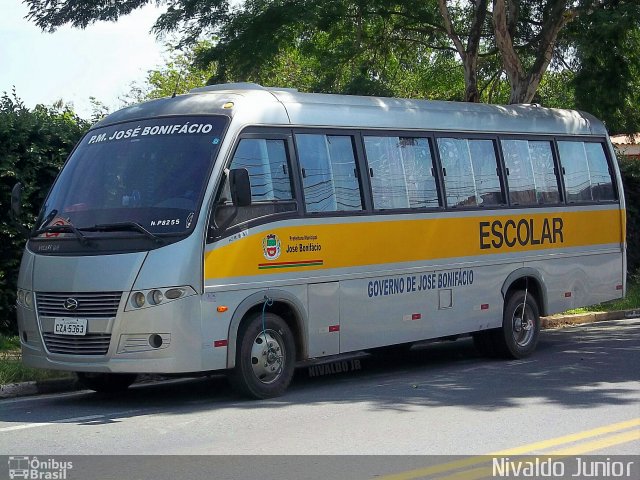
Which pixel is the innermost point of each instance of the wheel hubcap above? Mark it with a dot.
(268, 356)
(522, 322)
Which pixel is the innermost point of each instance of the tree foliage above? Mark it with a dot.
(373, 47)
(606, 46)
(178, 75)
(335, 46)
(189, 18)
(398, 46)
(33, 146)
(630, 169)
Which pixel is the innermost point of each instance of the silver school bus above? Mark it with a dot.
(244, 228)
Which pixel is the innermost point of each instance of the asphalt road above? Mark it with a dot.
(578, 395)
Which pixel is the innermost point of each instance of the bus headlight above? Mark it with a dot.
(156, 296)
(137, 300)
(24, 298)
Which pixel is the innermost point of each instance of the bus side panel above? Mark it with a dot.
(577, 281)
(409, 307)
(214, 326)
(475, 306)
(382, 311)
(323, 334)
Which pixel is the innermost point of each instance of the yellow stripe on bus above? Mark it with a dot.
(361, 243)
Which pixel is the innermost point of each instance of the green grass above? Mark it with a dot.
(630, 302)
(13, 371)
(9, 343)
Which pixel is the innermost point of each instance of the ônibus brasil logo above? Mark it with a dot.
(271, 246)
(33, 468)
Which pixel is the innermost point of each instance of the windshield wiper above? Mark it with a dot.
(124, 227)
(66, 228)
(48, 218)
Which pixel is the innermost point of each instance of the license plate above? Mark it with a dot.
(70, 326)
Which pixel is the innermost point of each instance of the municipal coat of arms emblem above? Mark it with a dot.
(271, 246)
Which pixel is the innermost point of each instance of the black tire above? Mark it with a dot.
(483, 342)
(264, 369)
(106, 382)
(520, 330)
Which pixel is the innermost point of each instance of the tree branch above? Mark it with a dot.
(448, 27)
(504, 42)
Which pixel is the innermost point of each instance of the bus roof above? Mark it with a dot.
(257, 105)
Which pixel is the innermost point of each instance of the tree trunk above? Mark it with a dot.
(471, 93)
(468, 55)
(524, 84)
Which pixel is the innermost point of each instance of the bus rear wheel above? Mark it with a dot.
(520, 330)
(518, 336)
(265, 357)
(106, 382)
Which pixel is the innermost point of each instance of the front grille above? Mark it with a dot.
(89, 344)
(90, 305)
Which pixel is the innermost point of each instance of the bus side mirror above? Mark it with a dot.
(240, 187)
(16, 201)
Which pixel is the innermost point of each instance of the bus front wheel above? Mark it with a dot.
(265, 357)
(106, 382)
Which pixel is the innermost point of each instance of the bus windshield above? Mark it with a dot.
(138, 177)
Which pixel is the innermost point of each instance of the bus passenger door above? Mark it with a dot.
(324, 319)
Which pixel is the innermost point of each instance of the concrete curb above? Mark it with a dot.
(63, 385)
(58, 385)
(41, 387)
(582, 318)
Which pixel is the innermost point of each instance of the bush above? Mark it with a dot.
(630, 170)
(33, 146)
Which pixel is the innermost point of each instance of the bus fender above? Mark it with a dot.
(258, 299)
(523, 273)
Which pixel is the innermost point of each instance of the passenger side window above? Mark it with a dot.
(601, 182)
(586, 172)
(266, 161)
(470, 171)
(329, 173)
(531, 172)
(401, 171)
